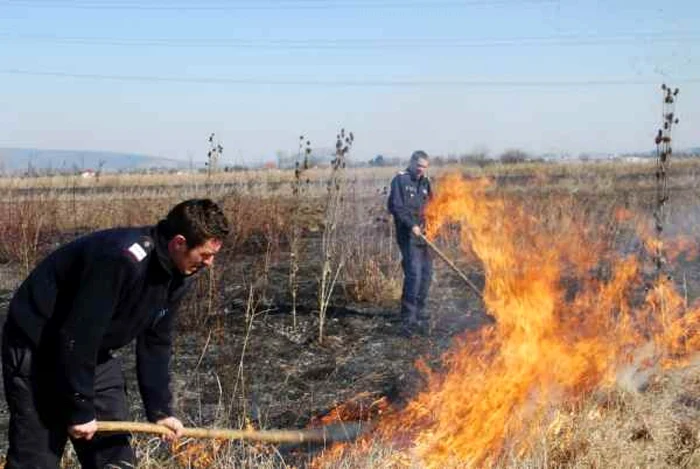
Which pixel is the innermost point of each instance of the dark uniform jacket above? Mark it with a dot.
(407, 200)
(94, 295)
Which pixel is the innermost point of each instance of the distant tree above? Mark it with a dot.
(478, 159)
(100, 168)
(377, 161)
(514, 156)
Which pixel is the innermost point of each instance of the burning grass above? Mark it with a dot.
(573, 316)
(609, 429)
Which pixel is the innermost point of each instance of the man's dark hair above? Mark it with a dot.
(419, 155)
(198, 220)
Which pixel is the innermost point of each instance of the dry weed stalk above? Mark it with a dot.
(298, 188)
(251, 311)
(663, 153)
(333, 258)
(254, 307)
(213, 155)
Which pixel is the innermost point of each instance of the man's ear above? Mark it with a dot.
(178, 243)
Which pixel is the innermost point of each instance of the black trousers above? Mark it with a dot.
(38, 432)
(417, 264)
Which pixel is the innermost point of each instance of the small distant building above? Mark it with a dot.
(634, 159)
(88, 173)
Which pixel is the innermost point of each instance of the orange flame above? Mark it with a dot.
(570, 313)
(364, 406)
(196, 454)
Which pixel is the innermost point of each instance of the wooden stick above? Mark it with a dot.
(344, 431)
(452, 265)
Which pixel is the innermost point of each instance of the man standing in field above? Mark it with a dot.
(410, 193)
(84, 301)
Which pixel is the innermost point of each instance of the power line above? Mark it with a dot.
(356, 43)
(274, 5)
(346, 83)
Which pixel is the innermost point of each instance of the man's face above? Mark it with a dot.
(420, 166)
(189, 261)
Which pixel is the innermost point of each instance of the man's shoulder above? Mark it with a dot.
(133, 245)
(400, 175)
(138, 250)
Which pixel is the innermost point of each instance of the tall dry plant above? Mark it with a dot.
(663, 154)
(213, 156)
(298, 188)
(332, 253)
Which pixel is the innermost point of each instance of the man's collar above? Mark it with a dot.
(412, 173)
(162, 250)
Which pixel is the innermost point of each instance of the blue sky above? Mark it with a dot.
(447, 76)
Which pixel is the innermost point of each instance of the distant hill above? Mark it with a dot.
(21, 160)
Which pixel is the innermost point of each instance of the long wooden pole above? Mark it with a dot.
(452, 265)
(338, 432)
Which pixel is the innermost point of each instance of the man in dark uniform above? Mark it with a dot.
(84, 301)
(410, 192)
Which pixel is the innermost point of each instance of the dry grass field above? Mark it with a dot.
(581, 354)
